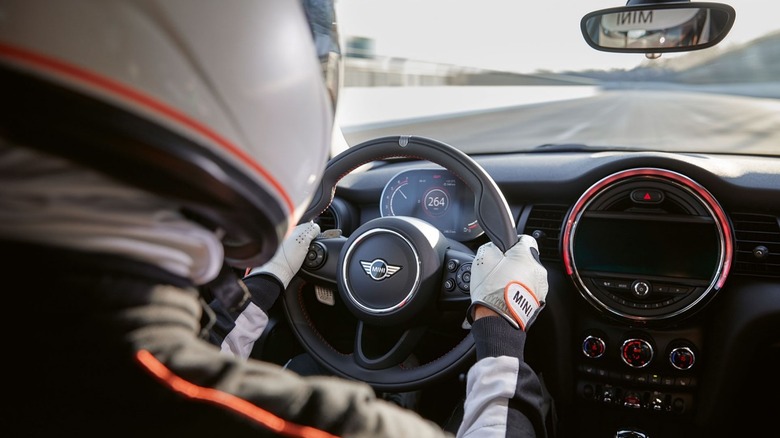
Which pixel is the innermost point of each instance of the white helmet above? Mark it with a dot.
(219, 105)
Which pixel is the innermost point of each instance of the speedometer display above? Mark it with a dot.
(436, 196)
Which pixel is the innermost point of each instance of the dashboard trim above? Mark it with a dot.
(712, 206)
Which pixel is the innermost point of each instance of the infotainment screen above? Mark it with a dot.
(680, 249)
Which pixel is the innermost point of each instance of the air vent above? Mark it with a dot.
(544, 222)
(758, 245)
(327, 220)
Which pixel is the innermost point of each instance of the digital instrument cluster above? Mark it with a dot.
(436, 196)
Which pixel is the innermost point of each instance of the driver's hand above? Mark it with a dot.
(289, 257)
(512, 284)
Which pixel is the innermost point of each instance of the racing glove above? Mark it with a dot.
(289, 257)
(512, 284)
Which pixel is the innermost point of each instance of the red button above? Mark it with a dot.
(647, 196)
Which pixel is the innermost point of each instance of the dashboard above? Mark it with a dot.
(664, 272)
(435, 196)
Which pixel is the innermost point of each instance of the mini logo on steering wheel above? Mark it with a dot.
(378, 269)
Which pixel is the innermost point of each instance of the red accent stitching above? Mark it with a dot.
(311, 323)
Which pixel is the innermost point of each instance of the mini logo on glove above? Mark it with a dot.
(522, 303)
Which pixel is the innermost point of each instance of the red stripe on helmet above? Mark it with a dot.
(121, 90)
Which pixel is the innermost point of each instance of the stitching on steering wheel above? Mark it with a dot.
(311, 323)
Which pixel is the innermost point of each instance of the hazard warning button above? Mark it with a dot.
(647, 196)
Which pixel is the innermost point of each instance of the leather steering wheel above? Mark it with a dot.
(395, 272)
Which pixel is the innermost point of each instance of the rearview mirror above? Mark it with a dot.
(658, 28)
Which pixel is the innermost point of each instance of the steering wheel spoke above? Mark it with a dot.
(321, 261)
(379, 348)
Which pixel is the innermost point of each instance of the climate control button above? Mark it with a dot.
(636, 353)
(682, 358)
(593, 347)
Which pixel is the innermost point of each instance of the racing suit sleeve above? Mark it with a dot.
(285, 399)
(241, 322)
(504, 396)
(239, 326)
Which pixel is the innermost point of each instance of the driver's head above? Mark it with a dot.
(225, 108)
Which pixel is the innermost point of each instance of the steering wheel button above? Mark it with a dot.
(463, 276)
(449, 284)
(315, 257)
(452, 265)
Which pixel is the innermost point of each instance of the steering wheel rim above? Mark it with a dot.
(493, 214)
(500, 228)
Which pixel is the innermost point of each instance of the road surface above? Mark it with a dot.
(655, 119)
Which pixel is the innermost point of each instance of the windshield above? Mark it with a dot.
(506, 75)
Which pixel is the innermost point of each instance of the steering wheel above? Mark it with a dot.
(395, 272)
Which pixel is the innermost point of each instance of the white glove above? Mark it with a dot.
(512, 284)
(289, 257)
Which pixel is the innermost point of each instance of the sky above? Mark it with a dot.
(513, 35)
